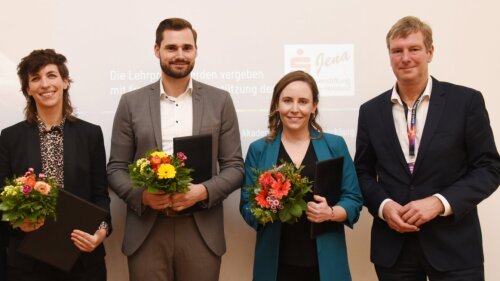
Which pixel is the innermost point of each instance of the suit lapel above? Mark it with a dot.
(70, 146)
(197, 107)
(33, 149)
(154, 107)
(270, 154)
(321, 147)
(434, 114)
(390, 129)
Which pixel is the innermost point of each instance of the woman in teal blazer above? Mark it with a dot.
(292, 122)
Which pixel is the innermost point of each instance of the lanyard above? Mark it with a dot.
(412, 128)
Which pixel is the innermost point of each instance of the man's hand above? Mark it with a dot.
(182, 201)
(391, 212)
(156, 200)
(421, 211)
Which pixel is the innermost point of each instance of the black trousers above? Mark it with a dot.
(3, 264)
(412, 265)
(44, 272)
(297, 273)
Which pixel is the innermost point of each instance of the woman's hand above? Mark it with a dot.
(29, 225)
(318, 211)
(87, 242)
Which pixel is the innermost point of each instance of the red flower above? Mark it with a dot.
(26, 189)
(266, 180)
(261, 198)
(279, 177)
(280, 189)
(166, 160)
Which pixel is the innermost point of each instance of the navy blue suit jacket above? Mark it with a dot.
(457, 158)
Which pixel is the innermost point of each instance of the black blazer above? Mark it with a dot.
(457, 158)
(84, 172)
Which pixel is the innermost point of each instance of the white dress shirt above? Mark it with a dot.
(402, 122)
(176, 116)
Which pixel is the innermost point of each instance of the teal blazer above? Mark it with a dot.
(331, 247)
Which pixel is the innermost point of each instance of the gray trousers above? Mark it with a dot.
(174, 251)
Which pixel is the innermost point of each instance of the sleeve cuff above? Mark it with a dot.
(447, 207)
(381, 208)
(204, 203)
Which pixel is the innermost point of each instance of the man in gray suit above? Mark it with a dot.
(181, 247)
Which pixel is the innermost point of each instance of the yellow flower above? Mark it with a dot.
(160, 154)
(166, 171)
(141, 165)
(10, 190)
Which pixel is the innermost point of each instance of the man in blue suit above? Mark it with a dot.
(425, 158)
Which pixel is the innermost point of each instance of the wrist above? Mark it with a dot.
(203, 194)
(105, 227)
(332, 214)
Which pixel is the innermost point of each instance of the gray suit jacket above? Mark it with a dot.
(137, 130)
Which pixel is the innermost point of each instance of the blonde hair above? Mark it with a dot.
(408, 25)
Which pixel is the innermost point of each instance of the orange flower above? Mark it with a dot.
(279, 177)
(280, 189)
(42, 187)
(30, 180)
(266, 180)
(155, 160)
(21, 180)
(166, 160)
(261, 198)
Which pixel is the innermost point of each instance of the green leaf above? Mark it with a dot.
(296, 210)
(285, 214)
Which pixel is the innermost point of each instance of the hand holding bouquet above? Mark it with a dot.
(278, 194)
(28, 198)
(161, 172)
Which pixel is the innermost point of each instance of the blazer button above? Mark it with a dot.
(412, 187)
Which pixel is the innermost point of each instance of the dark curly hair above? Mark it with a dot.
(32, 64)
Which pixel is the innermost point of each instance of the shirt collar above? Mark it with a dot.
(43, 129)
(395, 98)
(187, 92)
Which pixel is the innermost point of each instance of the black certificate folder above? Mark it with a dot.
(327, 183)
(52, 243)
(198, 150)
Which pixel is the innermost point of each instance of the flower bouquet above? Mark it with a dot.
(159, 171)
(29, 198)
(278, 194)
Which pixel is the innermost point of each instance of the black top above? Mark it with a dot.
(296, 246)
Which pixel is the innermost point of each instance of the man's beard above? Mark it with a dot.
(171, 72)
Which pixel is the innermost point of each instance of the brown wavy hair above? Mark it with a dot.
(274, 123)
(31, 65)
